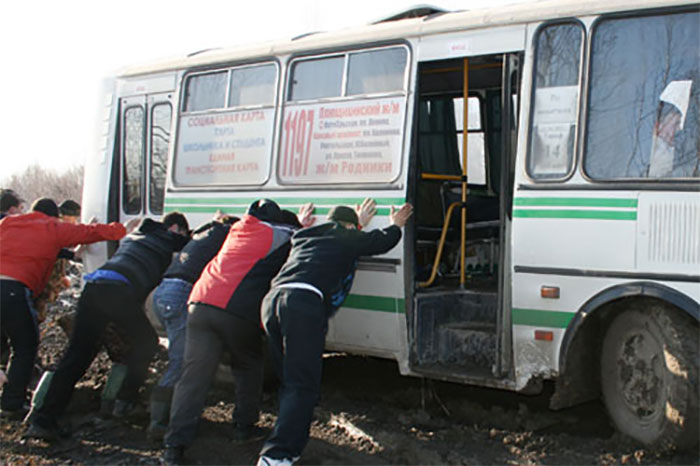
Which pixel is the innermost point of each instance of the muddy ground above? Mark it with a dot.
(368, 415)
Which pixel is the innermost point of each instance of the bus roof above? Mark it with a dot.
(405, 28)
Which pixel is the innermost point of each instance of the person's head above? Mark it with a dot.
(10, 202)
(265, 210)
(46, 206)
(70, 211)
(289, 218)
(344, 216)
(176, 222)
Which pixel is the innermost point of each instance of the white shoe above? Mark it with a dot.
(267, 461)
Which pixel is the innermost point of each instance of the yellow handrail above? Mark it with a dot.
(463, 204)
(441, 245)
(465, 137)
(436, 176)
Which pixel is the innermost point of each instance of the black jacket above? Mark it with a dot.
(144, 255)
(325, 255)
(205, 243)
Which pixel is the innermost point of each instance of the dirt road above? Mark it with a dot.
(368, 414)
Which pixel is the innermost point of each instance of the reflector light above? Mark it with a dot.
(550, 292)
(544, 335)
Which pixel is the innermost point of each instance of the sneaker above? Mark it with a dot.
(123, 408)
(250, 433)
(267, 461)
(173, 456)
(50, 434)
(15, 414)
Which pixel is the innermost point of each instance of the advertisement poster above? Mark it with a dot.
(231, 148)
(346, 142)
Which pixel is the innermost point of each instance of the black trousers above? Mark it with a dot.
(99, 304)
(210, 330)
(295, 322)
(18, 324)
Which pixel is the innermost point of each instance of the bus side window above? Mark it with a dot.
(133, 144)
(555, 101)
(316, 79)
(644, 104)
(205, 91)
(161, 116)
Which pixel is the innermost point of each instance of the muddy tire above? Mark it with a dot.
(649, 375)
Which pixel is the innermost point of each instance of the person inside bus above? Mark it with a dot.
(170, 307)
(296, 310)
(30, 245)
(114, 293)
(224, 313)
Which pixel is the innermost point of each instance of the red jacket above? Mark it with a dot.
(29, 244)
(237, 279)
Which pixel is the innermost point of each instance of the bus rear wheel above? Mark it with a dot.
(649, 376)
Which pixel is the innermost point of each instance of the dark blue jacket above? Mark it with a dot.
(144, 255)
(325, 256)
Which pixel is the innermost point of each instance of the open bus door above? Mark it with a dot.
(463, 155)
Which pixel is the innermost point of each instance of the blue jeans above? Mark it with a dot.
(170, 306)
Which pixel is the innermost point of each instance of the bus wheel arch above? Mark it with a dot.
(649, 374)
(580, 368)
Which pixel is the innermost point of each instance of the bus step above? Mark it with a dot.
(463, 346)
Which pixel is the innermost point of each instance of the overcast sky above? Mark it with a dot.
(55, 54)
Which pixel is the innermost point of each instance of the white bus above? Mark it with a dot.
(551, 151)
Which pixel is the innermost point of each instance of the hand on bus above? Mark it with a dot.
(366, 211)
(131, 224)
(400, 217)
(305, 215)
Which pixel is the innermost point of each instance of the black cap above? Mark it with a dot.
(46, 206)
(343, 213)
(70, 208)
(266, 210)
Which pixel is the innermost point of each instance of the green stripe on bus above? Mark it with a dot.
(571, 213)
(574, 202)
(205, 209)
(242, 209)
(540, 318)
(282, 200)
(375, 303)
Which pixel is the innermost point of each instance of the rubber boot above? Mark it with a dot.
(160, 412)
(114, 383)
(39, 393)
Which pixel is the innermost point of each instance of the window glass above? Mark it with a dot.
(161, 115)
(554, 114)
(376, 71)
(315, 79)
(205, 91)
(476, 154)
(474, 117)
(133, 159)
(252, 86)
(644, 98)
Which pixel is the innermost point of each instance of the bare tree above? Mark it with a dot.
(35, 182)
